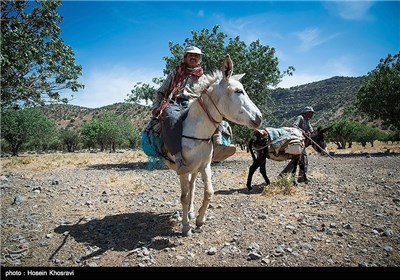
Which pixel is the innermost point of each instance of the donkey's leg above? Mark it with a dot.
(192, 189)
(258, 161)
(289, 168)
(252, 169)
(185, 200)
(208, 194)
(264, 172)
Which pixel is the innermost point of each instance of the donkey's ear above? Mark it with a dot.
(326, 128)
(227, 67)
(238, 77)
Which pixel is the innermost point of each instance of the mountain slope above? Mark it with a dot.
(66, 115)
(328, 97)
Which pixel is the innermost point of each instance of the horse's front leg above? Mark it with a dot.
(192, 189)
(185, 200)
(208, 194)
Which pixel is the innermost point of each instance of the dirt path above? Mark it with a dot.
(110, 210)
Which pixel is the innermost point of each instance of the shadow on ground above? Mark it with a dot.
(126, 166)
(123, 232)
(365, 154)
(257, 189)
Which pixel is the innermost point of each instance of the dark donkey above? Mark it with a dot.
(261, 147)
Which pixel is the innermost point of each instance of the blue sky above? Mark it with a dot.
(120, 43)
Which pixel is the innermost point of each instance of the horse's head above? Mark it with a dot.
(231, 99)
(319, 143)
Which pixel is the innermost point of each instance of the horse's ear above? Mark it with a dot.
(227, 67)
(238, 76)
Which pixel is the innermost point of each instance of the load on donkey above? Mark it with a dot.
(279, 144)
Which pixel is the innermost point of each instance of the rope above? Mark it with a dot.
(203, 106)
(312, 141)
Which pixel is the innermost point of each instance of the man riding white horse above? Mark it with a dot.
(172, 100)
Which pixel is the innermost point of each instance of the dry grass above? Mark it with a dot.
(44, 162)
(358, 148)
(283, 185)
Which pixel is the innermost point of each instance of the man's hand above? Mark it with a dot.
(306, 134)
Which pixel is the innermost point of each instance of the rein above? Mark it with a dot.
(203, 106)
(201, 102)
(257, 149)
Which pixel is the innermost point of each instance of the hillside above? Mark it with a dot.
(66, 115)
(328, 97)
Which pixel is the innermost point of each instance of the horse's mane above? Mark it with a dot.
(214, 76)
(211, 79)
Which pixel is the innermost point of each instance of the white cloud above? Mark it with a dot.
(301, 79)
(249, 28)
(341, 66)
(350, 10)
(338, 66)
(311, 38)
(109, 86)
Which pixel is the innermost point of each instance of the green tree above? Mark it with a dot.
(142, 91)
(342, 132)
(27, 126)
(36, 65)
(89, 132)
(133, 138)
(108, 130)
(45, 138)
(365, 134)
(393, 136)
(379, 97)
(69, 138)
(256, 60)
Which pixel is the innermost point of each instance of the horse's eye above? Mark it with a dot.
(239, 91)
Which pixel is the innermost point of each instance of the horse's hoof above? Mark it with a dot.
(186, 231)
(199, 223)
(191, 215)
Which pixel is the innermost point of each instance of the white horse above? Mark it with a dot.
(223, 97)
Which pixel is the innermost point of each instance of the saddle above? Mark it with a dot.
(284, 143)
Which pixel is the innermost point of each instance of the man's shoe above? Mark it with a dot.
(222, 152)
(303, 179)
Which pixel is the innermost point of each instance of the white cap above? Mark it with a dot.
(193, 49)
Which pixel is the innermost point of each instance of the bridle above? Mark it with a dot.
(210, 117)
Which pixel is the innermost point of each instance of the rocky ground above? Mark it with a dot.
(109, 210)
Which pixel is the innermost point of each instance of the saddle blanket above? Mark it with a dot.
(288, 140)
